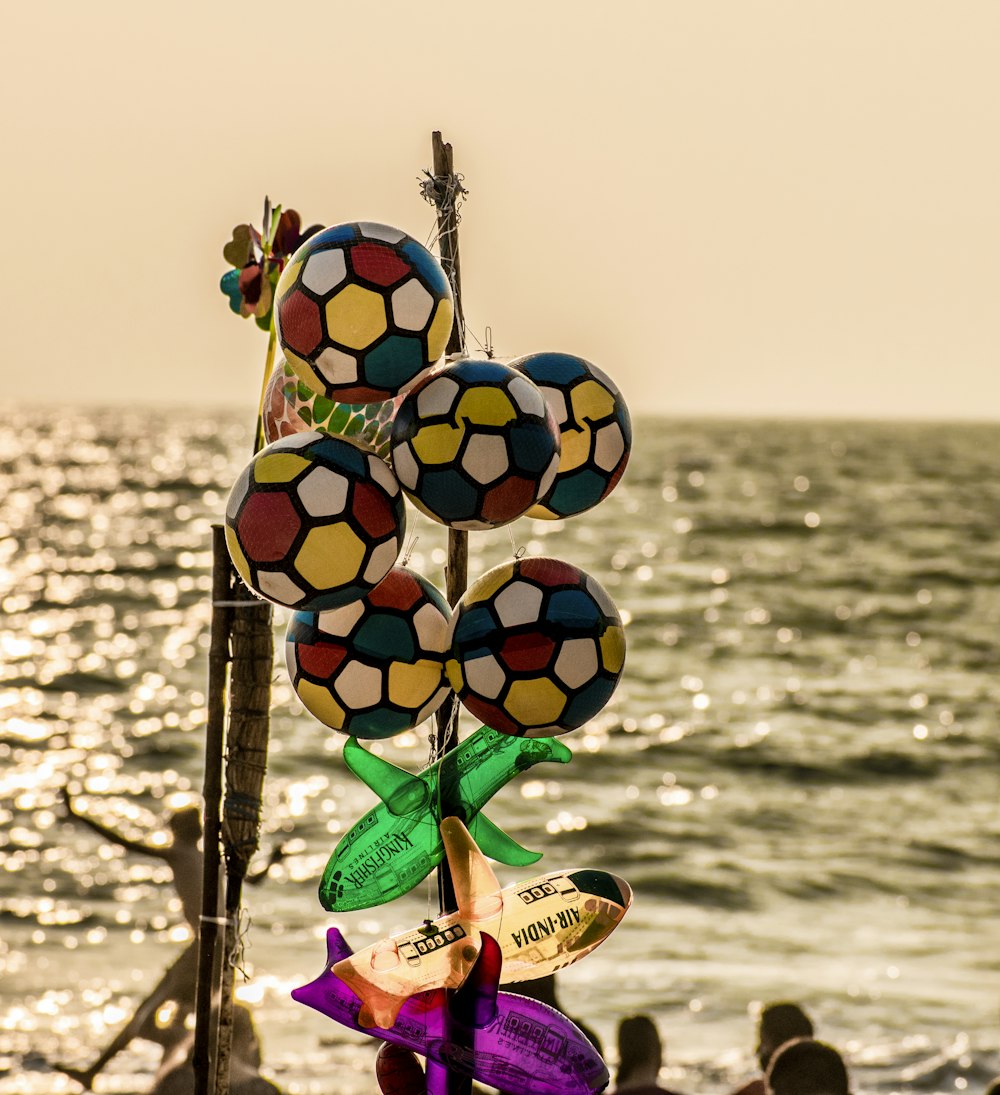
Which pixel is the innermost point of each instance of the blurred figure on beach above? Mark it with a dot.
(182, 855)
(165, 1015)
(779, 1023)
(640, 1056)
(804, 1066)
(176, 1072)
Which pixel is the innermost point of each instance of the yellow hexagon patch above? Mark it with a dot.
(287, 279)
(535, 703)
(412, 686)
(440, 329)
(591, 401)
(355, 317)
(575, 449)
(613, 649)
(454, 671)
(279, 467)
(236, 554)
(321, 704)
(484, 588)
(330, 556)
(303, 371)
(437, 444)
(486, 407)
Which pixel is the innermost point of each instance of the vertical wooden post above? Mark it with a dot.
(210, 935)
(246, 765)
(444, 170)
(457, 569)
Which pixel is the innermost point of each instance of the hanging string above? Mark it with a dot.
(517, 552)
(447, 194)
(487, 347)
(237, 947)
(408, 550)
(429, 888)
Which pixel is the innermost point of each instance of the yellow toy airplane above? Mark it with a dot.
(541, 925)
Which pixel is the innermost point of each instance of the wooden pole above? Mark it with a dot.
(447, 192)
(446, 199)
(246, 765)
(211, 936)
(457, 568)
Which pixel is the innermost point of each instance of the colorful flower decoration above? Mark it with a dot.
(258, 259)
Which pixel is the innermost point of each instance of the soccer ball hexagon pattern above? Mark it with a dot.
(595, 431)
(314, 522)
(474, 445)
(537, 647)
(373, 668)
(361, 310)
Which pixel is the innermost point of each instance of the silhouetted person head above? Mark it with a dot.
(246, 1044)
(807, 1067)
(994, 1088)
(640, 1052)
(186, 824)
(780, 1023)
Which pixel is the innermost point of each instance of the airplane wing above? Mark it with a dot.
(401, 791)
(498, 845)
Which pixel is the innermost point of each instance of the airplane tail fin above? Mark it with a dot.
(336, 947)
(477, 890)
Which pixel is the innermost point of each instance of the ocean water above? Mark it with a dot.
(798, 773)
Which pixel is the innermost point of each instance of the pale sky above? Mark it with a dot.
(761, 207)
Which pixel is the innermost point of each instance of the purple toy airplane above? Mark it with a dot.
(510, 1042)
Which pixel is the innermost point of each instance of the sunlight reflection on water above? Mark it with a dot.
(800, 754)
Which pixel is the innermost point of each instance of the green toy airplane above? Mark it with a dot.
(395, 846)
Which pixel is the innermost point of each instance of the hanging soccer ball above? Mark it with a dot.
(474, 445)
(314, 522)
(537, 647)
(290, 407)
(361, 310)
(373, 668)
(594, 427)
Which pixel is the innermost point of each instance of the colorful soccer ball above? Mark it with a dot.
(594, 427)
(290, 407)
(361, 310)
(537, 648)
(475, 445)
(314, 522)
(373, 668)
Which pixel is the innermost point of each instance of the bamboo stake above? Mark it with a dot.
(210, 935)
(246, 764)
